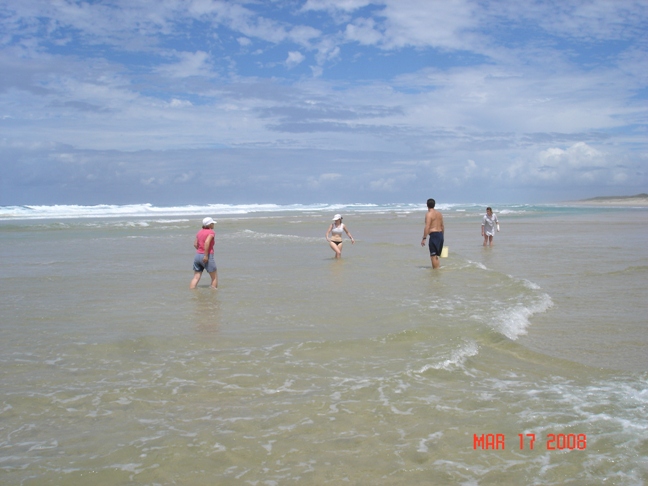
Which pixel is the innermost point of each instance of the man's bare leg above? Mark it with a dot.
(435, 261)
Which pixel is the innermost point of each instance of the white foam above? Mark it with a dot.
(513, 322)
(423, 443)
(258, 235)
(480, 265)
(144, 210)
(457, 358)
(41, 446)
(530, 285)
(132, 467)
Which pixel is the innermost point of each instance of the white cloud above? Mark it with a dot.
(576, 164)
(330, 177)
(363, 31)
(392, 184)
(470, 168)
(388, 184)
(597, 19)
(450, 25)
(303, 35)
(327, 50)
(332, 5)
(190, 64)
(294, 59)
(176, 103)
(579, 157)
(323, 180)
(185, 177)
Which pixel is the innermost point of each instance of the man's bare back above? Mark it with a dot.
(433, 221)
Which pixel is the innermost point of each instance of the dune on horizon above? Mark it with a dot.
(636, 200)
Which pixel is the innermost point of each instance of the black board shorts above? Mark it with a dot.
(435, 243)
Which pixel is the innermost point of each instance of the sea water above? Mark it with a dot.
(524, 363)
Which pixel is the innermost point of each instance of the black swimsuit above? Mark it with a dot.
(436, 243)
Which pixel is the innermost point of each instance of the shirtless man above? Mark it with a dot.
(433, 228)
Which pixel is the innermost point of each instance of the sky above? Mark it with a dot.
(173, 102)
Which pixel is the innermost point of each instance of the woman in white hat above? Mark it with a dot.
(204, 258)
(335, 232)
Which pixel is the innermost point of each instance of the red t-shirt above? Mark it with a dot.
(202, 237)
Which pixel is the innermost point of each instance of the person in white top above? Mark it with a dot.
(489, 223)
(335, 239)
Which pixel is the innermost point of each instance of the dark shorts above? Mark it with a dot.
(435, 243)
(199, 266)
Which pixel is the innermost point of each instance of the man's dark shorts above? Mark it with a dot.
(435, 243)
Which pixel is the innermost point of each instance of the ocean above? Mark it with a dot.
(524, 363)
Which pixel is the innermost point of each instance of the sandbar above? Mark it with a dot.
(639, 200)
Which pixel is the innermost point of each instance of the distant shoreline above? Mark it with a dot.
(637, 200)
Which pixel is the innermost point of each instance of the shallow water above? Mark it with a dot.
(302, 369)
